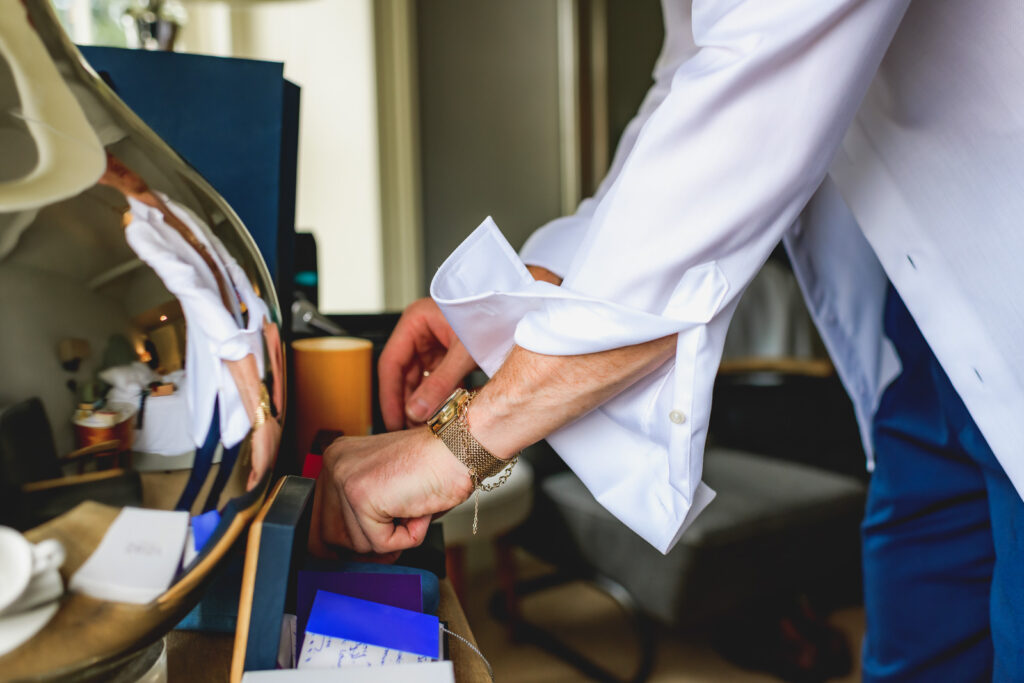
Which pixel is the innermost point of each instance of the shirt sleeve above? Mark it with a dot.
(237, 277)
(719, 171)
(199, 295)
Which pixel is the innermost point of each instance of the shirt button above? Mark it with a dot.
(677, 417)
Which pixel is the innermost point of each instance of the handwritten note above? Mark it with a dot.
(137, 558)
(383, 626)
(327, 652)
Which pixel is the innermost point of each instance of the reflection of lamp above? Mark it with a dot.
(153, 24)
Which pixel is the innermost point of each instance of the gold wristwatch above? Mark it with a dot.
(263, 412)
(448, 423)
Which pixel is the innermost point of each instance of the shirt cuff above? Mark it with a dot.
(555, 244)
(239, 345)
(491, 301)
(648, 477)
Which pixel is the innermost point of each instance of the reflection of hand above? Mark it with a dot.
(265, 441)
(422, 341)
(273, 340)
(379, 493)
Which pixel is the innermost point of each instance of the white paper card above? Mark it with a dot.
(286, 646)
(327, 652)
(429, 672)
(190, 548)
(137, 558)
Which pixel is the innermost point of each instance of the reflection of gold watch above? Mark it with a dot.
(263, 413)
(448, 423)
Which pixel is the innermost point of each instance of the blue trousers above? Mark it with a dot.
(943, 534)
(202, 464)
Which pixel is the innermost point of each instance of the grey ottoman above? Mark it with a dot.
(774, 526)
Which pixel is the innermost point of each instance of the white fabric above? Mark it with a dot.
(771, 320)
(165, 427)
(724, 156)
(127, 382)
(214, 333)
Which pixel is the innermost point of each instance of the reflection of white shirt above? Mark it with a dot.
(749, 110)
(214, 333)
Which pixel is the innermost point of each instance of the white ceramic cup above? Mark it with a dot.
(22, 561)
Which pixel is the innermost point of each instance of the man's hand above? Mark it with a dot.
(379, 493)
(275, 351)
(424, 361)
(265, 441)
(420, 366)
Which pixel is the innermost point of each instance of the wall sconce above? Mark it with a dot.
(72, 352)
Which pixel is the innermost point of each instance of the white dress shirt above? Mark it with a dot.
(749, 109)
(214, 334)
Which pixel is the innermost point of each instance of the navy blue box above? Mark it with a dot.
(236, 121)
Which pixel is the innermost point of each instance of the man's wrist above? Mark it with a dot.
(486, 416)
(544, 275)
(452, 465)
(452, 424)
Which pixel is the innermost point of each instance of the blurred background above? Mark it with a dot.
(418, 119)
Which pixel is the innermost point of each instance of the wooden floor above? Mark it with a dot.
(593, 623)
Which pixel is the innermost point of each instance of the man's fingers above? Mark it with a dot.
(417, 528)
(436, 386)
(389, 537)
(359, 541)
(398, 353)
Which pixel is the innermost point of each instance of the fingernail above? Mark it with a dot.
(418, 409)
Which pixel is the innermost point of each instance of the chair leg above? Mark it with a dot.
(642, 626)
(546, 640)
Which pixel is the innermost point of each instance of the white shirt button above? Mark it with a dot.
(677, 416)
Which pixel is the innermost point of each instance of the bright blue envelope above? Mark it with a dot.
(340, 616)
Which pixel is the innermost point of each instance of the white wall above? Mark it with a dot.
(327, 48)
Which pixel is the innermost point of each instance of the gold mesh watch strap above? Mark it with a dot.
(450, 424)
(263, 412)
(455, 435)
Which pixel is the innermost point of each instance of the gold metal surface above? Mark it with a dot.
(98, 219)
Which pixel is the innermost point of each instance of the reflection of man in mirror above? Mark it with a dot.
(224, 354)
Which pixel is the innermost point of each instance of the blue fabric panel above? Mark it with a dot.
(223, 116)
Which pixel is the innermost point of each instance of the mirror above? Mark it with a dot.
(140, 350)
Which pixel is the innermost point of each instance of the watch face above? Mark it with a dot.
(445, 411)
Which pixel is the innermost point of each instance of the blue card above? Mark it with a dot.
(203, 527)
(340, 616)
(397, 590)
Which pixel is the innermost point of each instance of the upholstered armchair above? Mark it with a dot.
(33, 487)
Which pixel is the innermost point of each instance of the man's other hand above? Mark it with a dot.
(265, 442)
(421, 364)
(379, 493)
